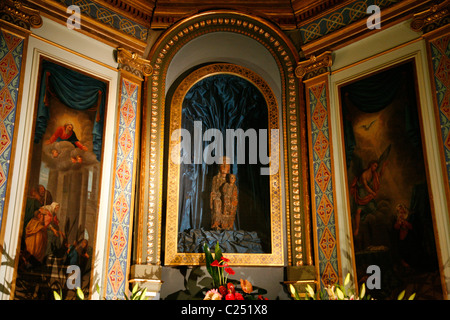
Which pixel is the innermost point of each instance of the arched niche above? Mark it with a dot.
(267, 52)
(225, 98)
(226, 47)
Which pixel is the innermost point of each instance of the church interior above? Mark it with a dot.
(167, 147)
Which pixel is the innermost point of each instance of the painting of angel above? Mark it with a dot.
(390, 208)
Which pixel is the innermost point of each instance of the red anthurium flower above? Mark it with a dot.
(230, 271)
(238, 296)
(222, 290)
(225, 259)
(215, 263)
(230, 296)
(231, 288)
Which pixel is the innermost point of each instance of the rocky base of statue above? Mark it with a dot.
(231, 241)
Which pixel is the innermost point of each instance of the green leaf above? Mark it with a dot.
(320, 295)
(218, 252)
(135, 288)
(208, 258)
(80, 294)
(143, 294)
(401, 295)
(97, 288)
(261, 291)
(213, 271)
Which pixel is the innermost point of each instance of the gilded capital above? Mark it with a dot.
(131, 62)
(314, 66)
(432, 18)
(14, 12)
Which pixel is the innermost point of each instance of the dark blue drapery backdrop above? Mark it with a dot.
(76, 91)
(225, 102)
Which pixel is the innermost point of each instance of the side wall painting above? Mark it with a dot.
(391, 210)
(63, 184)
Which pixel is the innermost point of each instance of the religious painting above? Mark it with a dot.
(63, 184)
(390, 206)
(223, 178)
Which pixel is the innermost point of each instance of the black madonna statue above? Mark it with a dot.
(225, 201)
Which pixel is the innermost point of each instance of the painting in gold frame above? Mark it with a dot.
(59, 220)
(271, 255)
(390, 208)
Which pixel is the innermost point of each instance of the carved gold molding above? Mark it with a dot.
(276, 255)
(286, 57)
(314, 66)
(131, 62)
(433, 18)
(293, 118)
(13, 11)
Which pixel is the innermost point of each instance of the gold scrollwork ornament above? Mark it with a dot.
(13, 11)
(134, 64)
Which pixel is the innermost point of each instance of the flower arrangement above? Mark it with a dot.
(219, 269)
(339, 292)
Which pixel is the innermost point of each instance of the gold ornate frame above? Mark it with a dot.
(172, 257)
(292, 112)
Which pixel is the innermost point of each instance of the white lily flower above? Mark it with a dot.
(310, 291)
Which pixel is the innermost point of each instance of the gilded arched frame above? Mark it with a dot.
(152, 206)
(276, 255)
